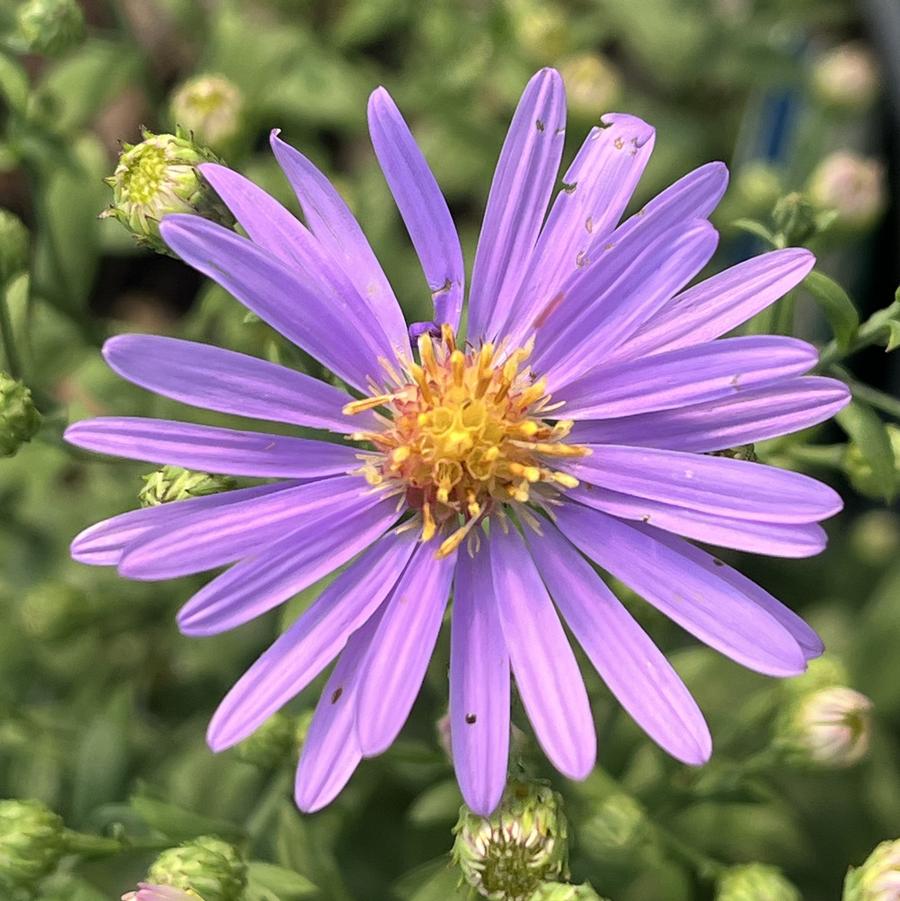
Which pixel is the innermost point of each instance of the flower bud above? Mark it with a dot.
(617, 828)
(875, 537)
(51, 26)
(540, 27)
(207, 866)
(561, 891)
(157, 177)
(147, 892)
(795, 218)
(272, 744)
(758, 187)
(878, 879)
(14, 241)
(851, 185)
(31, 844)
(863, 477)
(211, 108)
(19, 419)
(755, 882)
(593, 84)
(846, 78)
(172, 483)
(522, 844)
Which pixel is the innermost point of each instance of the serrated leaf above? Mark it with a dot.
(755, 228)
(870, 436)
(179, 824)
(267, 880)
(837, 306)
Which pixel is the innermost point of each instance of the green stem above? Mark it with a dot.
(827, 456)
(705, 866)
(887, 403)
(9, 341)
(100, 846)
(868, 333)
(267, 806)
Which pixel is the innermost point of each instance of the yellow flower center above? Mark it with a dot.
(143, 174)
(464, 432)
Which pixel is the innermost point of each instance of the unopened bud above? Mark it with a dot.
(207, 866)
(272, 744)
(795, 218)
(31, 844)
(158, 177)
(147, 892)
(210, 107)
(878, 879)
(875, 536)
(617, 828)
(19, 418)
(851, 185)
(593, 84)
(14, 241)
(846, 77)
(172, 483)
(758, 187)
(830, 728)
(51, 26)
(755, 882)
(560, 891)
(521, 845)
(541, 28)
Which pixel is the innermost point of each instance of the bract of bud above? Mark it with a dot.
(210, 107)
(31, 844)
(755, 882)
(19, 418)
(508, 855)
(846, 77)
(593, 84)
(147, 892)
(878, 879)
(795, 218)
(561, 891)
(618, 826)
(172, 483)
(51, 26)
(160, 176)
(851, 185)
(207, 866)
(14, 241)
(829, 728)
(272, 744)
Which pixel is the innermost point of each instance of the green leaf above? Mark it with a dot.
(893, 341)
(267, 881)
(755, 228)
(179, 824)
(13, 83)
(436, 880)
(837, 306)
(870, 437)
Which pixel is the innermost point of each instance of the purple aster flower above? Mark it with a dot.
(576, 424)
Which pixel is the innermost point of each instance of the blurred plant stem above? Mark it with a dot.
(869, 332)
(267, 807)
(880, 400)
(13, 361)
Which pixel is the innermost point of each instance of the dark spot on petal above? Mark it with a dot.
(470, 718)
(542, 317)
(619, 143)
(581, 258)
(589, 224)
(539, 124)
(569, 188)
(645, 518)
(717, 561)
(336, 696)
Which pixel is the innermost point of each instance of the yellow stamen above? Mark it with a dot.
(428, 526)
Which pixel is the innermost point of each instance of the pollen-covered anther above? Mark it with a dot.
(463, 435)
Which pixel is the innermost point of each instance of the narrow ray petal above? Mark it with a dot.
(523, 182)
(546, 672)
(479, 686)
(755, 415)
(215, 379)
(626, 658)
(396, 665)
(700, 601)
(312, 642)
(421, 205)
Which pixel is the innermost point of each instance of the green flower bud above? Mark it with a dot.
(851, 185)
(617, 828)
(51, 26)
(14, 241)
(593, 84)
(31, 843)
(19, 419)
(875, 537)
(846, 78)
(522, 844)
(172, 483)
(758, 187)
(157, 177)
(755, 882)
(861, 474)
(795, 218)
(740, 452)
(540, 28)
(272, 744)
(560, 891)
(878, 879)
(210, 107)
(208, 866)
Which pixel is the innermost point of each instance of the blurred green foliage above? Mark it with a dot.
(103, 705)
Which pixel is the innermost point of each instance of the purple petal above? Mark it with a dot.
(102, 543)
(721, 303)
(229, 382)
(479, 687)
(773, 539)
(755, 415)
(312, 642)
(211, 449)
(329, 329)
(402, 647)
(225, 534)
(277, 573)
(547, 675)
(655, 273)
(421, 205)
(523, 182)
(735, 488)
(599, 185)
(331, 752)
(331, 221)
(625, 657)
(690, 375)
(699, 600)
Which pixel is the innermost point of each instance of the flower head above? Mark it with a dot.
(755, 882)
(576, 419)
(19, 419)
(172, 483)
(206, 867)
(51, 26)
(210, 107)
(851, 185)
(830, 727)
(846, 77)
(878, 879)
(31, 843)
